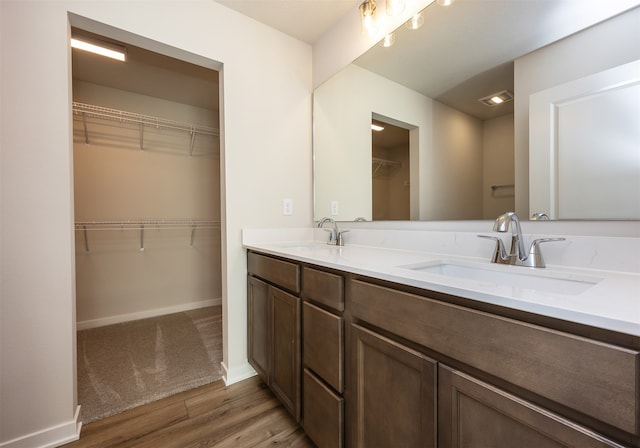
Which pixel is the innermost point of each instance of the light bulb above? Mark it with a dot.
(445, 2)
(368, 10)
(388, 40)
(115, 52)
(415, 22)
(395, 7)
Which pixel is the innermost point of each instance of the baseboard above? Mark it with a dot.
(86, 324)
(51, 437)
(236, 374)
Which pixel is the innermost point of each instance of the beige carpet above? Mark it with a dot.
(126, 365)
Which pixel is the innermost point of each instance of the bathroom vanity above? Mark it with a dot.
(374, 347)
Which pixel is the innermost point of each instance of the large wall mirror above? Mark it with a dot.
(446, 152)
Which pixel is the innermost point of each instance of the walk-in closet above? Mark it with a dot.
(146, 151)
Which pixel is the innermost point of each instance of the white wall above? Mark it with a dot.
(497, 166)
(455, 168)
(606, 45)
(266, 88)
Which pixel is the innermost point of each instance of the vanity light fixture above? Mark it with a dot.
(415, 22)
(367, 11)
(376, 127)
(395, 7)
(109, 50)
(497, 98)
(444, 2)
(388, 40)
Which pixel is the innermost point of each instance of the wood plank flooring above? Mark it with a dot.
(243, 415)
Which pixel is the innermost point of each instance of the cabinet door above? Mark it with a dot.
(394, 391)
(285, 373)
(259, 323)
(474, 414)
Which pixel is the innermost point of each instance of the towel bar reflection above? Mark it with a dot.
(497, 187)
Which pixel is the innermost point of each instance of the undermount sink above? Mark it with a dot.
(511, 276)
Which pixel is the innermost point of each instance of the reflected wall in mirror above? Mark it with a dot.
(466, 160)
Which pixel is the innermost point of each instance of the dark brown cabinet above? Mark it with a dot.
(274, 328)
(476, 414)
(386, 365)
(394, 393)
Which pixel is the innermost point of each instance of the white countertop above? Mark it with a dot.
(600, 298)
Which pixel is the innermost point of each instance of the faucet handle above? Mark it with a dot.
(535, 259)
(331, 236)
(500, 253)
(339, 238)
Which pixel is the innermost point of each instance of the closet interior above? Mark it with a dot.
(146, 145)
(390, 172)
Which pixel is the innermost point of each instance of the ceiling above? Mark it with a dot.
(450, 56)
(306, 20)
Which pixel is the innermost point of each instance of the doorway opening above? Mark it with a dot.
(390, 169)
(147, 185)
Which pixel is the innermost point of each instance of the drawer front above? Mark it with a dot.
(323, 339)
(597, 379)
(323, 287)
(282, 273)
(323, 413)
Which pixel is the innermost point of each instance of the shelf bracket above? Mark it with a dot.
(86, 240)
(193, 139)
(142, 238)
(141, 137)
(193, 234)
(84, 124)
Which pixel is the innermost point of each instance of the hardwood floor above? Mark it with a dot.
(243, 415)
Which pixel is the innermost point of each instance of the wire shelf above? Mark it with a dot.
(142, 225)
(89, 114)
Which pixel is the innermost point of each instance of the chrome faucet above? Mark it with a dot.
(517, 255)
(517, 244)
(335, 235)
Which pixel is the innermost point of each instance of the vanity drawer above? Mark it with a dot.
(323, 339)
(594, 378)
(323, 413)
(323, 287)
(282, 273)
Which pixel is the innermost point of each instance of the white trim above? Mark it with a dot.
(84, 325)
(236, 374)
(51, 437)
